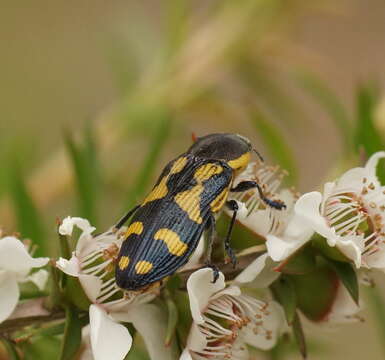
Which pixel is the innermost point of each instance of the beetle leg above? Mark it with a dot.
(210, 236)
(215, 270)
(247, 185)
(123, 220)
(232, 205)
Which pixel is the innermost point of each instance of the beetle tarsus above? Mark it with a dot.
(244, 186)
(215, 270)
(248, 185)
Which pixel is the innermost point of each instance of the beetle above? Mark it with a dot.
(166, 227)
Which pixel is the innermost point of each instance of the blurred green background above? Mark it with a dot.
(113, 90)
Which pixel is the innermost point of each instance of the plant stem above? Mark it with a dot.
(18, 323)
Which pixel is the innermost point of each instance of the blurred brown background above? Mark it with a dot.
(58, 69)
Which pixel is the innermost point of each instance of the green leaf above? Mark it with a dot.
(47, 345)
(74, 292)
(299, 335)
(144, 176)
(10, 348)
(72, 334)
(320, 244)
(284, 291)
(366, 134)
(28, 218)
(86, 171)
(301, 262)
(172, 321)
(28, 290)
(55, 287)
(377, 306)
(184, 321)
(329, 101)
(276, 144)
(65, 250)
(348, 277)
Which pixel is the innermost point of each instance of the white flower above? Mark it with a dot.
(253, 212)
(283, 230)
(93, 264)
(350, 214)
(259, 273)
(15, 265)
(225, 321)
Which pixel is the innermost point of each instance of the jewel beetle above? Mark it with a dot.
(164, 230)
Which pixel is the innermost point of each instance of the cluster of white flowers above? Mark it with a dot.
(249, 321)
(92, 264)
(348, 216)
(225, 321)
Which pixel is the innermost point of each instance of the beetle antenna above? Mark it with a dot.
(259, 155)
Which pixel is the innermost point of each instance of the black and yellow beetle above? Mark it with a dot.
(166, 228)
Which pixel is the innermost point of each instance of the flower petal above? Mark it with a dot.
(67, 225)
(39, 278)
(151, 322)
(272, 322)
(259, 273)
(186, 355)
(109, 340)
(70, 267)
(196, 340)
(308, 208)
(196, 256)
(348, 245)
(376, 260)
(15, 257)
(9, 294)
(352, 180)
(372, 163)
(92, 286)
(258, 221)
(86, 344)
(200, 288)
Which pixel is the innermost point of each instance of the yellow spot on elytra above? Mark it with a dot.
(219, 201)
(158, 192)
(172, 240)
(206, 171)
(143, 267)
(161, 190)
(123, 262)
(240, 162)
(134, 228)
(189, 201)
(178, 165)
